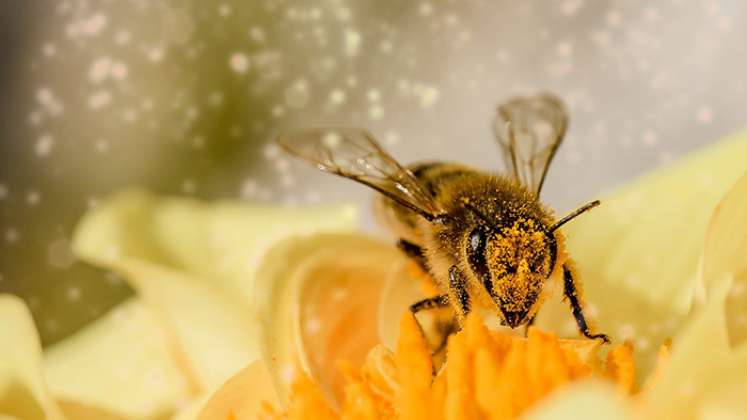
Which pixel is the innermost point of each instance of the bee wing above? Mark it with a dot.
(353, 153)
(529, 131)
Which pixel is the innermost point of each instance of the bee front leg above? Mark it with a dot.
(571, 292)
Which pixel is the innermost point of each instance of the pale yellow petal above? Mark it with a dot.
(712, 386)
(729, 403)
(724, 256)
(211, 334)
(221, 241)
(194, 265)
(192, 410)
(23, 390)
(654, 227)
(726, 243)
(81, 411)
(702, 366)
(637, 254)
(121, 363)
(583, 400)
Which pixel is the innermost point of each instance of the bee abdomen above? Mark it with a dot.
(434, 175)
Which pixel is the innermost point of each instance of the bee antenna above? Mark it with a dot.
(480, 214)
(583, 209)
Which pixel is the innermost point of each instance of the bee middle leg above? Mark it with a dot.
(572, 294)
(440, 301)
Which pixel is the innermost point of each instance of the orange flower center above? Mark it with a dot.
(487, 375)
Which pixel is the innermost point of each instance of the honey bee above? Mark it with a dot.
(486, 239)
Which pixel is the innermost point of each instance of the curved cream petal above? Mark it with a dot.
(638, 253)
(582, 400)
(121, 363)
(726, 243)
(23, 391)
(211, 334)
(728, 403)
(724, 256)
(321, 308)
(654, 227)
(81, 411)
(703, 367)
(221, 241)
(193, 265)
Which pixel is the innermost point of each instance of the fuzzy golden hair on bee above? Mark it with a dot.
(486, 239)
(499, 235)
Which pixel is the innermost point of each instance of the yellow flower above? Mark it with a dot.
(231, 299)
(650, 276)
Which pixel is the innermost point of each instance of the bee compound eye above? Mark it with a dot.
(477, 240)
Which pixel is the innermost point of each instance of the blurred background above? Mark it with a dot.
(185, 97)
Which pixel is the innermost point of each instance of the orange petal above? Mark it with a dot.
(380, 373)
(460, 401)
(621, 368)
(414, 370)
(360, 402)
(662, 361)
(307, 401)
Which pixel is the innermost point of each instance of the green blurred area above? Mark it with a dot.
(180, 97)
(185, 123)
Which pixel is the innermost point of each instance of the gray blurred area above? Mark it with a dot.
(184, 97)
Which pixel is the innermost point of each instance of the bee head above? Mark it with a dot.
(512, 262)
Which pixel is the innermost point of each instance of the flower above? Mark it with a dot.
(649, 277)
(189, 328)
(232, 306)
(488, 375)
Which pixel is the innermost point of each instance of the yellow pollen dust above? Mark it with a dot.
(519, 262)
(487, 375)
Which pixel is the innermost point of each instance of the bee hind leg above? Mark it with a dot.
(413, 251)
(443, 328)
(571, 293)
(446, 329)
(457, 298)
(528, 325)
